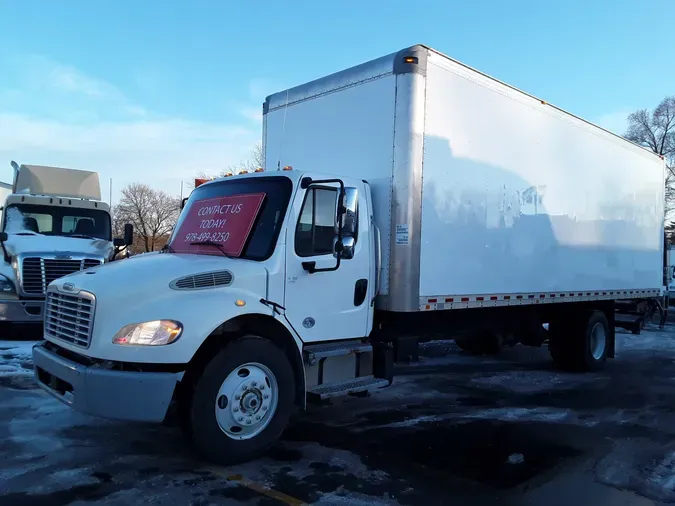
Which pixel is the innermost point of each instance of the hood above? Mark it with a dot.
(46, 244)
(141, 277)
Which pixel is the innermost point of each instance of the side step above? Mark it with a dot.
(318, 351)
(362, 384)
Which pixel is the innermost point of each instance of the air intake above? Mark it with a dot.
(202, 281)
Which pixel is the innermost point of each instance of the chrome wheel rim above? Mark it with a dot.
(246, 401)
(598, 341)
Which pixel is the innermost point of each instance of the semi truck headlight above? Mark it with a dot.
(154, 333)
(6, 286)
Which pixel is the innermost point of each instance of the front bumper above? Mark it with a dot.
(120, 395)
(21, 311)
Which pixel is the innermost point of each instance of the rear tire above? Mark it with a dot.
(242, 402)
(580, 343)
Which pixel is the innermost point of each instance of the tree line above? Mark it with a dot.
(154, 212)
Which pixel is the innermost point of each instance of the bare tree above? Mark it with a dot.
(255, 160)
(656, 131)
(153, 214)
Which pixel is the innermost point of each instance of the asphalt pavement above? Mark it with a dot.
(453, 429)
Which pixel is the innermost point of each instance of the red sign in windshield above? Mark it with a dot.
(224, 220)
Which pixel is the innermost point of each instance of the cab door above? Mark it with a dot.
(334, 303)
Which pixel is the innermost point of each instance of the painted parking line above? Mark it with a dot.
(257, 487)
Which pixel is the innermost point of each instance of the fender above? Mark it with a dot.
(272, 327)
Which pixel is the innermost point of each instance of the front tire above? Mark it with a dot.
(242, 402)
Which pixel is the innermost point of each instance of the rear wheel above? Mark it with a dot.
(242, 402)
(580, 343)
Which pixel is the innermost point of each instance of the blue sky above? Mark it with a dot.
(157, 91)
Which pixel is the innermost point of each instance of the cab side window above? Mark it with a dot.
(314, 234)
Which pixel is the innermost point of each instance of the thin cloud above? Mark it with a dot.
(616, 122)
(252, 113)
(54, 114)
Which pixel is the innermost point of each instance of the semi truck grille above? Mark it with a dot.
(70, 317)
(37, 273)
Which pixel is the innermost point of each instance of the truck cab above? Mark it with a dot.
(53, 223)
(260, 265)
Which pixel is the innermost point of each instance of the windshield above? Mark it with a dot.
(236, 217)
(30, 219)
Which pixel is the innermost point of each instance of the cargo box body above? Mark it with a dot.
(483, 195)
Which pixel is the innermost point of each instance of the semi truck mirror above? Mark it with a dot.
(3, 236)
(338, 247)
(183, 202)
(128, 234)
(344, 249)
(118, 242)
(339, 211)
(350, 210)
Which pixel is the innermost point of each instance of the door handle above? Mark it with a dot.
(360, 291)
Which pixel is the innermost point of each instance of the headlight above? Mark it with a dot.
(154, 333)
(6, 286)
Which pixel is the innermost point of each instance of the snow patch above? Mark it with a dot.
(16, 358)
(533, 381)
(642, 466)
(520, 414)
(650, 339)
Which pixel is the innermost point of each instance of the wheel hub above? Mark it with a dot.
(598, 341)
(252, 393)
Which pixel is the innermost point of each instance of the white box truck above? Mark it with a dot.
(405, 197)
(53, 223)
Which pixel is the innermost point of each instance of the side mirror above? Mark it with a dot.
(128, 234)
(344, 249)
(3, 236)
(118, 242)
(347, 211)
(183, 202)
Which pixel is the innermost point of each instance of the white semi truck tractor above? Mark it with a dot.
(53, 223)
(403, 198)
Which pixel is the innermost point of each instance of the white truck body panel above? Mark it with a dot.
(484, 195)
(58, 182)
(356, 142)
(520, 197)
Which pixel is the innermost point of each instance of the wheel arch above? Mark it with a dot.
(261, 325)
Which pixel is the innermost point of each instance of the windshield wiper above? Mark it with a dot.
(211, 243)
(83, 236)
(27, 233)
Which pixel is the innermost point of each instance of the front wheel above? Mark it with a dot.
(242, 402)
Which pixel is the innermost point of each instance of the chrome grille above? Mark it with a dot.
(70, 317)
(37, 273)
(203, 280)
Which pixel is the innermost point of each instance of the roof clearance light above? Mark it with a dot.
(410, 59)
(288, 167)
(228, 174)
(243, 172)
(259, 169)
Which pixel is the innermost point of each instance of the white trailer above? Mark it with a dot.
(418, 196)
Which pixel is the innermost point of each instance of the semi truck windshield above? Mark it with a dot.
(30, 219)
(236, 217)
